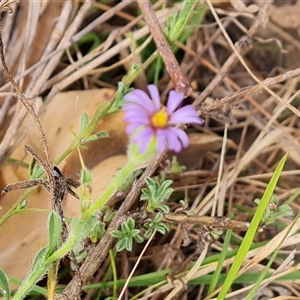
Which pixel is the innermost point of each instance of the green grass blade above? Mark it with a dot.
(248, 239)
(217, 273)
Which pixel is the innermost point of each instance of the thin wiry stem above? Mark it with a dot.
(20, 97)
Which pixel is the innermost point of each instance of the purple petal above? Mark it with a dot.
(155, 96)
(161, 140)
(137, 121)
(132, 116)
(133, 106)
(174, 100)
(143, 138)
(141, 98)
(182, 136)
(184, 115)
(173, 141)
(131, 128)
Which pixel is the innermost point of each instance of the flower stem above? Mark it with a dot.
(29, 283)
(122, 175)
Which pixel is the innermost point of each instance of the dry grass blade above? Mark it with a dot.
(44, 68)
(5, 5)
(241, 47)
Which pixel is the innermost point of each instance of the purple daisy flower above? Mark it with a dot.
(156, 120)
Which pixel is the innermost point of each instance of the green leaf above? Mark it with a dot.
(4, 285)
(149, 181)
(95, 136)
(38, 270)
(161, 228)
(125, 227)
(79, 230)
(121, 245)
(156, 224)
(138, 238)
(177, 23)
(84, 121)
(85, 176)
(39, 259)
(97, 232)
(156, 193)
(219, 268)
(118, 101)
(117, 234)
(176, 168)
(285, 210)
(54, 232)
(164, 208)
(126, 235)
(128, 243)
(131, 224)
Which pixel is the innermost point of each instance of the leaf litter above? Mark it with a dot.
(261, 127)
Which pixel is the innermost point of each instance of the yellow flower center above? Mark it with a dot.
(160, 119)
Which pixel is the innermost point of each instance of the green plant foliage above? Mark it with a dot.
(84, 121)
(54, 232)
(156, 193)
(126, 235)
(274, 211)
(95, 136)
(176, 24)
(156, 224)
(176, 167)
(39, 259)
(5, 293)
(38, 269)
(85, 189)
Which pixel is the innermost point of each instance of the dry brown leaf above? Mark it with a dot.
(23, 234)
(102, 174)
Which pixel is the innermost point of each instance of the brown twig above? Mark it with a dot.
(214, 222)
(249, 90)
(20, 97)
(181, 83)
